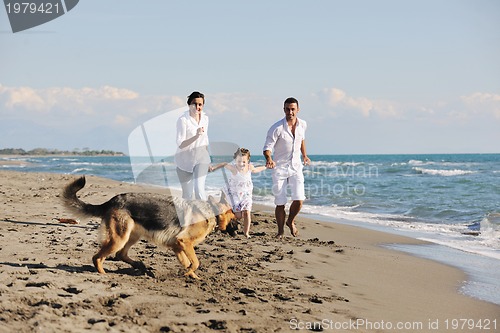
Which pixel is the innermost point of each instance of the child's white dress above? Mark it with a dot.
(240, 188)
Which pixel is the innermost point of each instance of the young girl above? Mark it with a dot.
(240, 186)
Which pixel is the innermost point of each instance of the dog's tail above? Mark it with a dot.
(72, 202)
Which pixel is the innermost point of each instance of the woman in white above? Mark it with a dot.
(192, 158)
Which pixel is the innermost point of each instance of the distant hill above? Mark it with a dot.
(44, 151)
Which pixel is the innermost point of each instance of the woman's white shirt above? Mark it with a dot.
(197, 152)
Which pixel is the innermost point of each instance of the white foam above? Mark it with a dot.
(77, 170)
(439, 163)
(335, 164)
(15, 166)
(63, 159)
(88, 163)
(418, 162)
(446, 173)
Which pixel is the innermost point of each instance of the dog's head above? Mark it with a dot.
(225, 214)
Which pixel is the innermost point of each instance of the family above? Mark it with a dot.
(283, 148)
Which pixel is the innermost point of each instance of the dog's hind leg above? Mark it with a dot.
(107, 248)
(118, 232)
(123, 253)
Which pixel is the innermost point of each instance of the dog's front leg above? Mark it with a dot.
(181, 256)
(187, 257)
(191, 255)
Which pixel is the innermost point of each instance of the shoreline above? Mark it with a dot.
(331, 273)
(481, 267)
(482, 270)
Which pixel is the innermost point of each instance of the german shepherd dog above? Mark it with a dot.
(164, 220)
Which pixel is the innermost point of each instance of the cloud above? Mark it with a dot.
(340, 101)
(235, 103)
(44, 100)
(483, 103)
(120, 107)
(457, 110)
(63, 105)
(103, 117)
(26, 96)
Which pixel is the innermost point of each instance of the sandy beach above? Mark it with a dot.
(333, 277)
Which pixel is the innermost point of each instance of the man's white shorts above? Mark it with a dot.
(284, 178)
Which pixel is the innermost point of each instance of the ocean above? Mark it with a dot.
(450, 200)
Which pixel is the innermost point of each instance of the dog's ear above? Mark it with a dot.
(223, 198)
(212, 200)
(217, 209)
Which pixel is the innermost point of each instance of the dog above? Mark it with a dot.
(164, 220)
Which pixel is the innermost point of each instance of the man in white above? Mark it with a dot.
(287, 138)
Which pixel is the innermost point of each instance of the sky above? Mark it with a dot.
(371, 77)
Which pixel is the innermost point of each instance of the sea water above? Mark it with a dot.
(452, 200)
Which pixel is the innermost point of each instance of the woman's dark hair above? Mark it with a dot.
(195, 94)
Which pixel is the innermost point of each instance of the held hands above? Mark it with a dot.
(212, 168)
(270, 164)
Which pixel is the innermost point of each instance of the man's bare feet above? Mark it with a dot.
(293, 229)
